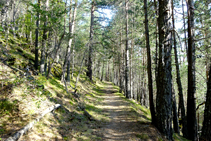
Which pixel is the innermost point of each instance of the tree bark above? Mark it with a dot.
(89, 65)
(149, 71)
(120, 65)
(191, 105)
(164, 89)
(127, 92)
(36, 40)
(156, 43)
(183, 15)
(71, 32)
(174, 109)
(206, 129)
(43, 49)
(102, 71)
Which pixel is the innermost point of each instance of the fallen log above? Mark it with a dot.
(24, 130)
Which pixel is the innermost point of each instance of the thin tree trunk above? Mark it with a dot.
(206, 129)
(156, 43)
(183, 15)
(102, 71)
(149, 71)
(73, 59)
(131, 61)
(120, 65)
(71, 32)
(174, 109)
(36, 39)
(89, 66)
(142, 90)
(80, 70)
(43, 50)
(55, 54)
(179, 84)
(67, 56)
(127, 93)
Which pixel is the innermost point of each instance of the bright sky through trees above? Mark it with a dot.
(106, 13)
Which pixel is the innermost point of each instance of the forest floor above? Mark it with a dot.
(126, 122)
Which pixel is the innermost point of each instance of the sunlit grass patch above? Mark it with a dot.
(136, 107)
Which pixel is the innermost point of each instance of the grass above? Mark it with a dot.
(135, 106)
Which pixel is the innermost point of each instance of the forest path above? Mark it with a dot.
(126, 121)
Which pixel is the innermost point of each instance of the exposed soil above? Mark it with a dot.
(125, 123)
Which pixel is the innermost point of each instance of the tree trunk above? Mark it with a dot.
(54, 57)
(164, 93)
(36, 40)
(156, 43)
(42, 60)
(120, 65)
(191, 105)
(102, 71)
(174, 109)
(183, 15)
(179, 84)
(206, 129)
(149, 71)
(73, 59)
(127, 92)
(67, 56)
(71, 32)
(89, 66)
(142, 90)
(131, 61)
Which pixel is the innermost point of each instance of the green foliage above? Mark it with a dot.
(7, 107)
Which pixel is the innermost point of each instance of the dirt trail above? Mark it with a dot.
(125, 123)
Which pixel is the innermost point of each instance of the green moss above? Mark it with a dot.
(7, 107)
(71, 103)
(54, 82)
